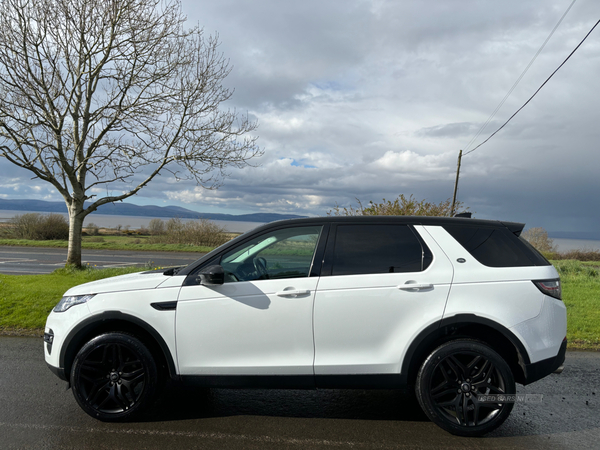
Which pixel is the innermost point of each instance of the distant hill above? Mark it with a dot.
(586, 235)
(128, 209)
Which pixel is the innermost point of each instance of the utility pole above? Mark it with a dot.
(452, 212)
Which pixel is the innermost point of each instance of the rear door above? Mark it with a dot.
(381, 284)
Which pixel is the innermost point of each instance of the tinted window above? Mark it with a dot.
(496, 247)
(363, 249)
(285, 253)
(535, 256)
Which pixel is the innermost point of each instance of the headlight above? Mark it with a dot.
(72, 300)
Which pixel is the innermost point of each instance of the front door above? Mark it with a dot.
(259, 322)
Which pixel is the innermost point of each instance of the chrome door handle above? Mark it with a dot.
(292, 292)
(414, 286)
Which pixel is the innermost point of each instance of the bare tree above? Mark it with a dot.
(97, 97)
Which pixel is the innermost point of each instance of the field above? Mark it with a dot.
(138, 243)
(199, 236)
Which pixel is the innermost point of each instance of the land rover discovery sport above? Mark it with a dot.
(458, 309)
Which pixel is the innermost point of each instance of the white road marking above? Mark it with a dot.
(17, 260)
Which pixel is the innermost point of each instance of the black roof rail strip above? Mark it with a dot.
(464, 214)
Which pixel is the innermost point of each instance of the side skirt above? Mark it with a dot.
(377, 381)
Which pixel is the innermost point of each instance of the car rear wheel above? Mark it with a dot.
(113, 377)
(463, 387)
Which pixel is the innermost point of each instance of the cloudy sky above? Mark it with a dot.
(369, 99)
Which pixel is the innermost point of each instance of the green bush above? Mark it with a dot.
(25, 226)
(38, 227)
(572, 268)
(580, 255)
(538, 237)
(92, 229)
(156, 227)
(199, 232)
(402, 206)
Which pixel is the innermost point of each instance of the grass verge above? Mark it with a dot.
(111, 243)
(581, 294)
(26, 300)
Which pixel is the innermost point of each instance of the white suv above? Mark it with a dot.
(460, 309)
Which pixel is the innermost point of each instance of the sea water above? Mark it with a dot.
(134, 222)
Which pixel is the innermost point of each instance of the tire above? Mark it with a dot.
(113, 377)
(452, 380)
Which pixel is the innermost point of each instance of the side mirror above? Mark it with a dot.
(212, 275)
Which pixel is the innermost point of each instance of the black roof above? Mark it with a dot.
(515, 227)
(412, 220)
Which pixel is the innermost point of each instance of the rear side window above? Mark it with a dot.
(366, 249)
(496, 247)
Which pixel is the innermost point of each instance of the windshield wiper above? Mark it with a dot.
(173, 270)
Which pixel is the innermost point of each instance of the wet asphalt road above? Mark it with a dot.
(37, 413)
(28, 260)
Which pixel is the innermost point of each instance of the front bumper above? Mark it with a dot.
(58, 371)
(540, 369)
(58, 326)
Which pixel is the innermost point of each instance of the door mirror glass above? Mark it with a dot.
(212, 275)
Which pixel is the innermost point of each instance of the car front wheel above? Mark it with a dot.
(113, 377)
(465, 387)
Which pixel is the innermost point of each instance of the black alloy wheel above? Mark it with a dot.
(465, 387)
(113, 377)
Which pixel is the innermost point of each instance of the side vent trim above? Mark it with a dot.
(164, 306)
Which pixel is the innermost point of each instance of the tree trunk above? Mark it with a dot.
(76, 217)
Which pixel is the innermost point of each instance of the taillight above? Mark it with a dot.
(550, 287)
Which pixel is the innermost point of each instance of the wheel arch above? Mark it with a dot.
(116, 321)
(497, 336)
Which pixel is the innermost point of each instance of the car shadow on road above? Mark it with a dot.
(179, 402)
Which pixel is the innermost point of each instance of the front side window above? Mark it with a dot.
(368, 249)
(285, 253)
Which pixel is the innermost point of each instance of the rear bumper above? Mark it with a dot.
(540, 369)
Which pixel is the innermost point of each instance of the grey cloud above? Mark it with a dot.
(463, 129)
(379, 96)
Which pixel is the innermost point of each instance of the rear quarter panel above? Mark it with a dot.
(505, 295)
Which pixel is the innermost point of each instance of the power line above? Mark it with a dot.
(519, 79)
(538, 90)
